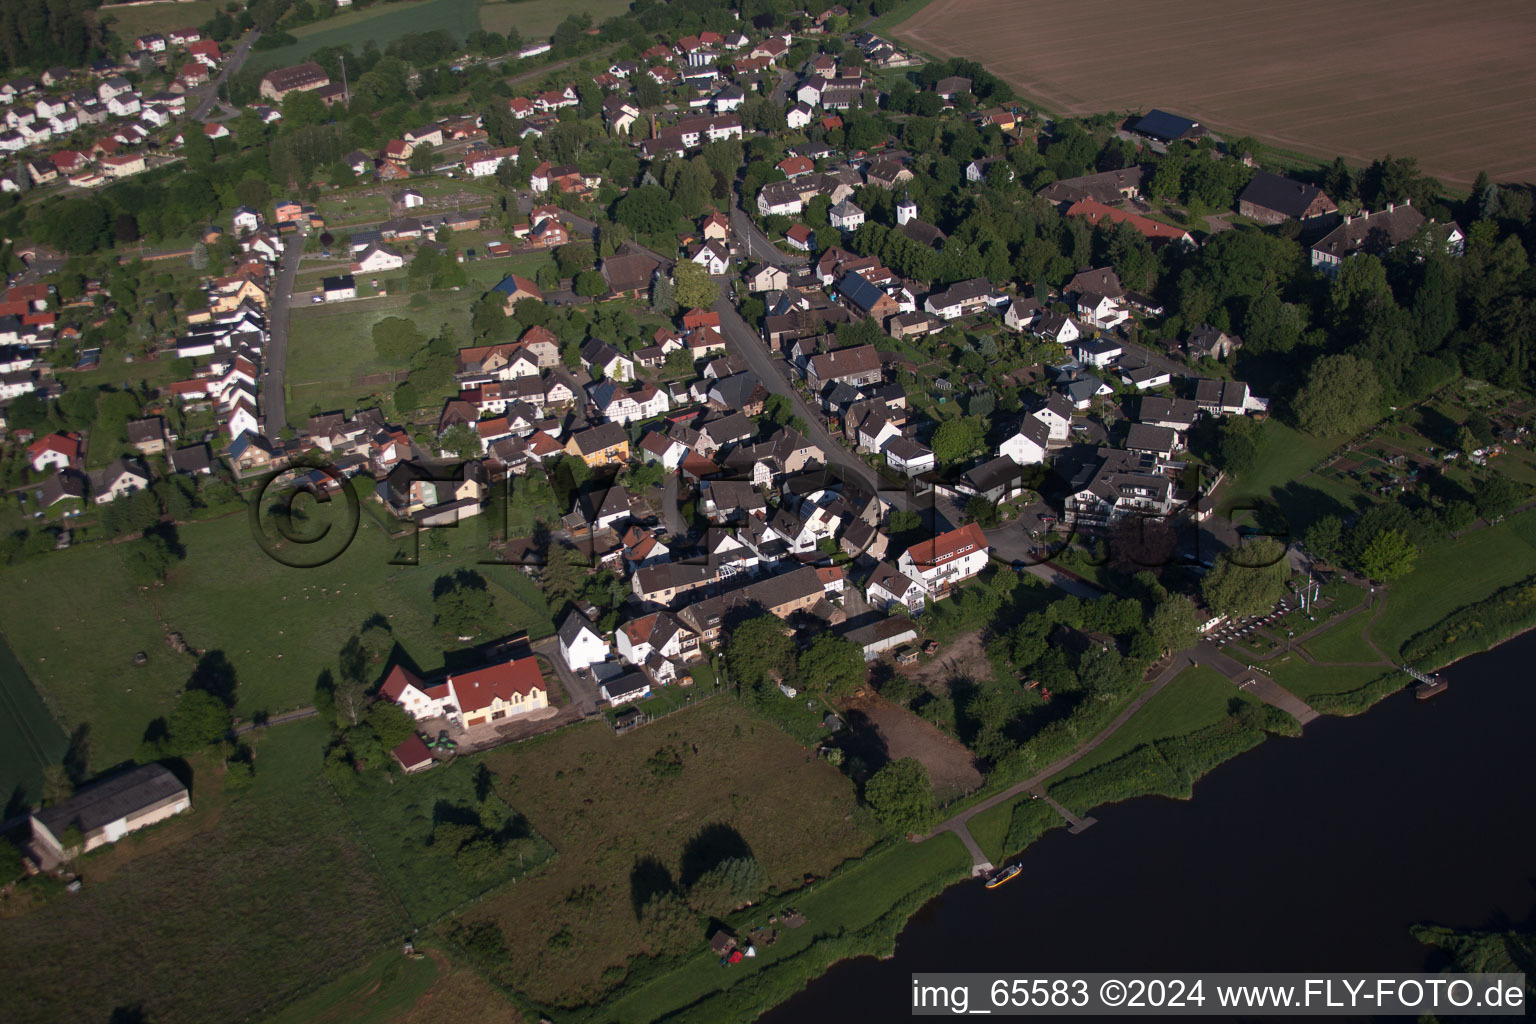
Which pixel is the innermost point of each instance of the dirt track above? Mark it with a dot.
(1447, 83)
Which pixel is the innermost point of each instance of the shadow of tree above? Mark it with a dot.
(215, 675)
(649, 877)
(713, 844)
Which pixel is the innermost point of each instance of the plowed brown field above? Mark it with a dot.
(1449, 83)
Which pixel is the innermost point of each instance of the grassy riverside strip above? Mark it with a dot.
(1170, 767)
(1476, 627)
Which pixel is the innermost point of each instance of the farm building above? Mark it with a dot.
(106, 811)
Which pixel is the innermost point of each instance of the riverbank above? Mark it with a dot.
(1259, 872)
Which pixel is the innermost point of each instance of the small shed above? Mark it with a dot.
(413, 755)
(722, 942)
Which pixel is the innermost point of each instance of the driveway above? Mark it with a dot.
(580, 694)
(273, 398)
(670, 513)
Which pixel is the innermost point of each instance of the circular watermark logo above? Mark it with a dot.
(304, 516)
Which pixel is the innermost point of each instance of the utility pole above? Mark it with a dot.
(346, 93)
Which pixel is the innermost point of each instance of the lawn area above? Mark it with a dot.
(887, 22)
(225, 913)
(800, 716)
(332, 362)
(381, 24)
(990, 829)
(622, 829)
(131, 22)
(536, 20)
(1343, 642)
(1285, 456)
(394, 816)
(1307, 681)
(377, 993)
(875, 895)
(278, 627)
(1441, 583)
(1196, 698)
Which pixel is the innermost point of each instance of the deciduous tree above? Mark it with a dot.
(902, 796)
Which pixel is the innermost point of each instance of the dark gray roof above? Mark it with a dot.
(102, 803)
(1147, 438)
(571, 628)
(194, 458)
(1282, 195)
(993, 474)
(1159, 124)
(1168, 410)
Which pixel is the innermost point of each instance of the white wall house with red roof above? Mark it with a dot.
(490, 693)
(947, 560)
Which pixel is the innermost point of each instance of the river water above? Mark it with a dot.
(1309, 854)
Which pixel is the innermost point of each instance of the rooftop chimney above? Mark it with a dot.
(1390, 207)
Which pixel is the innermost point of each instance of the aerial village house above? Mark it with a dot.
(1271, 199)
(1378, 233)
(580, 643)
(488, 694)
(604, 445)
(947, 560)
(1124, 482)
(304, 77)
(105, 811)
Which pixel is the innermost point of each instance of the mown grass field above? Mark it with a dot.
(331, 352)
(132, 22)
(379, 992)
(607, 812)
(223, 914)
(1457, 573)
(1343, 642)
(1197, 697)
(278, 627)
(382, 24)
(1285, 456)
(395, 817)
(536, 20)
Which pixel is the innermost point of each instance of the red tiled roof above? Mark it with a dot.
(480, 688)
(67, 445)
(412, 752)
(398, 679)
(1094, 211)
(946, 547)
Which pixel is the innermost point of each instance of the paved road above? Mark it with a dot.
(671, 514)
(741, 339)
(273, 400)
(759, 248)
(232, 63)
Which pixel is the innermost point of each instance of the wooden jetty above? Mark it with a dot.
(1429, 686)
